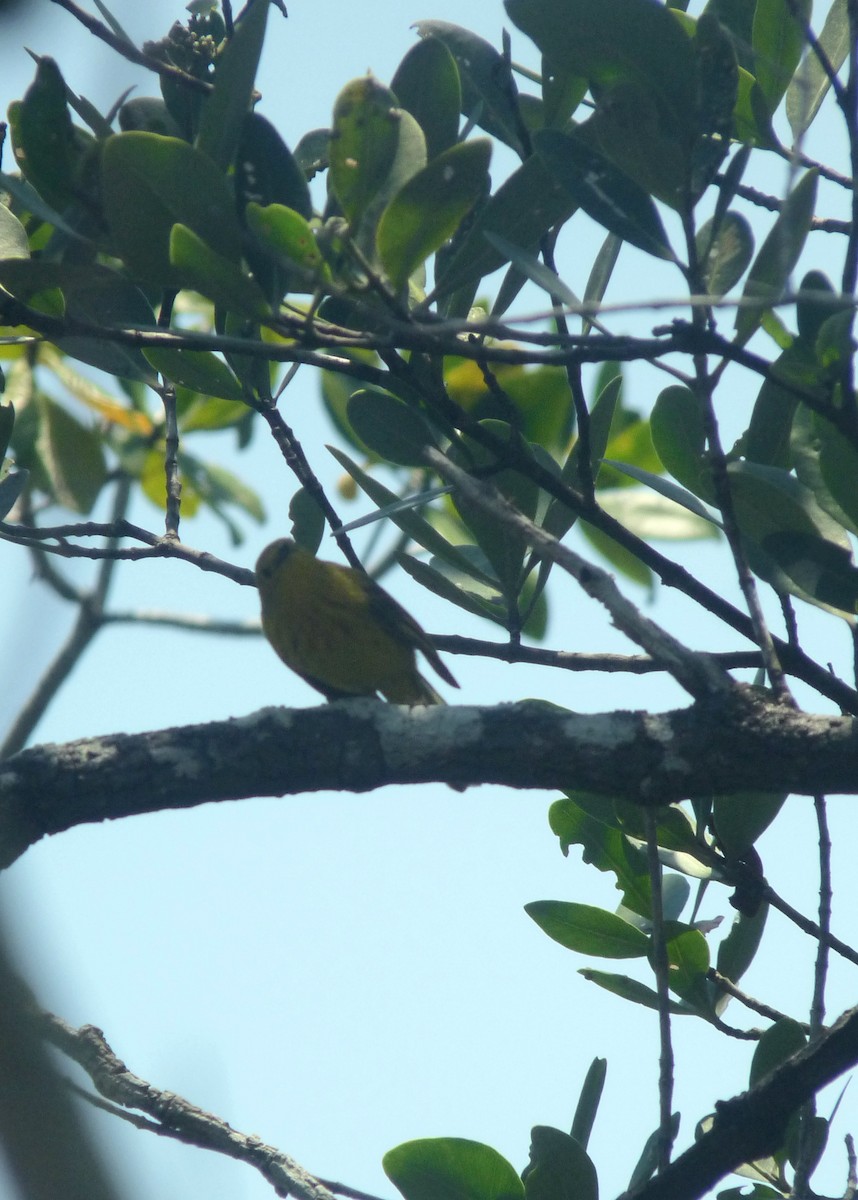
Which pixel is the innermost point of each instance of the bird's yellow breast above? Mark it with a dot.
(325, 622)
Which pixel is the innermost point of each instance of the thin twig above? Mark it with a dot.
(173, 1114)
(130, 51)
(751, 1002)
(661, 968)
(694, 672)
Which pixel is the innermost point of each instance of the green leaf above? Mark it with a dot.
(407, 520)
(591, 822)
(791, 542)
(778, 41)
(7, 424)
(618, 41)
(147, 114)
(604, 192)
(620, 558)
(809, 85)
(149, 184)
(218, 278)
(588, 1101)
(663, 520)
(11, 487)
(505, 548)
(816, 303)
(72, 455)
(587, 929)
(768, 438)
(679, 437)
(738, 950)
(199, 370)
(778, 255)
(725, 252)
(688, 962)
(395, 431)
(741, 817)
(308, 520)
(266, 171)
(426, 84)
(778, 1043)
(289, 239)
(226, 107)
(559, 1168)
(829, 459)
(526, 204)
(364, 143)
(488, 86)
(562, 92)
(43, 137)
(429, 208)
(91, 293)
(454, 1168)
(14, 242)
(717, 94)
(632, 990)
(464, 588)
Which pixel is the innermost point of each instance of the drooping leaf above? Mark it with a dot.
(738, 950)
(526, 204)
(741, 817)
(465, 589)
(688, 962)
(504, 547)
(778, 255)
(675, 495)
(679, 437)
(783, 1039)
(11, 488)
(72, 455)
(408, 520)
(790, 540)
(308, 520)
(810, 83)
(604, 192)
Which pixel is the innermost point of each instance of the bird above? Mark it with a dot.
(340, 631)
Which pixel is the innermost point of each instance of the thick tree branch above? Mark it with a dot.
(739, 741)
(753, 1125)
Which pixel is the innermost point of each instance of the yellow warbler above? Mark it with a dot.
(340, 631)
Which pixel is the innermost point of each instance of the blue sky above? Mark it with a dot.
(342, 973)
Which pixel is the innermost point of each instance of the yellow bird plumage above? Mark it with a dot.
(340, 631)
